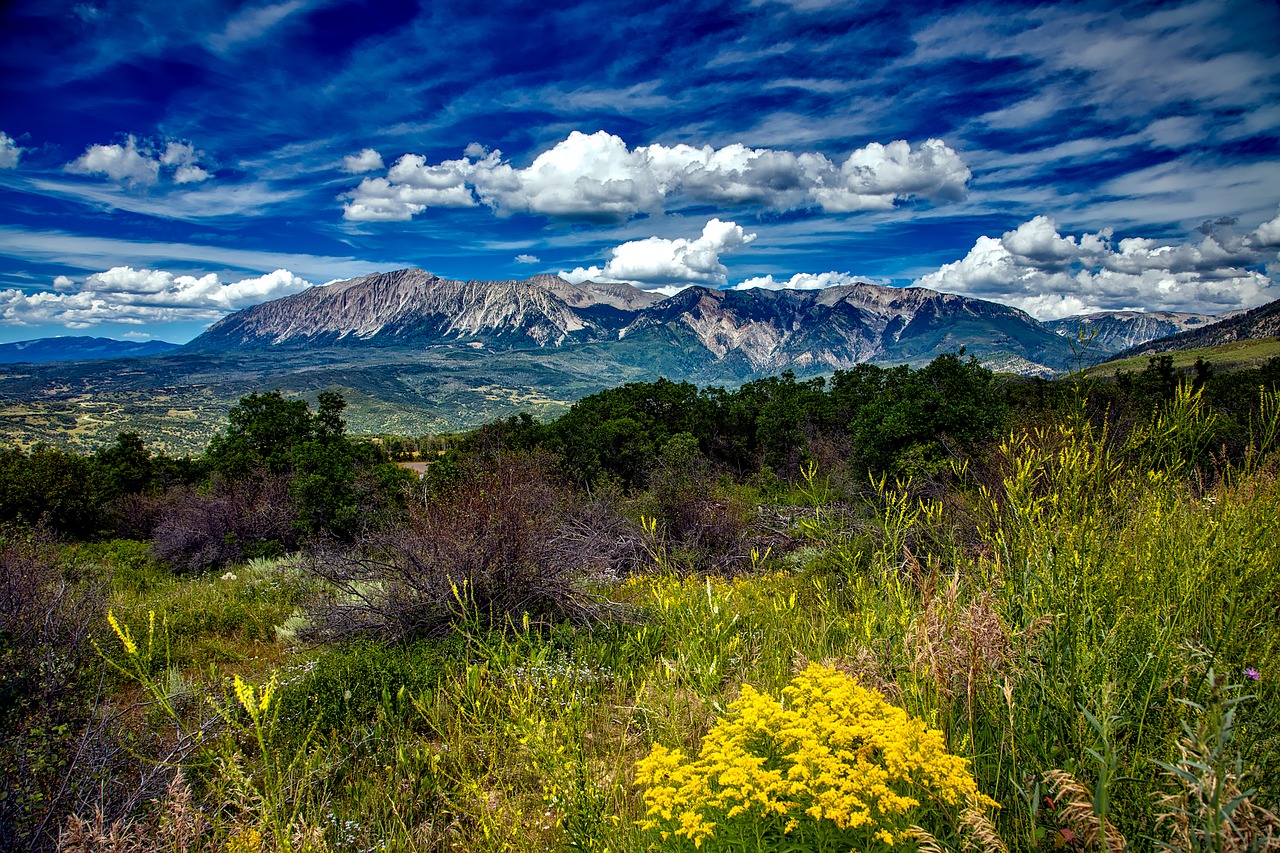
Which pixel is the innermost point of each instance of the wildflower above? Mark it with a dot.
(229, 576)
(126, 639)
(830, 753)
(1251, 674)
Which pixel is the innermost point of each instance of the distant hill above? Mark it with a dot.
(45, 350)
(1121, 330)
(1236, 355)
(698, 334)
(1254, 324)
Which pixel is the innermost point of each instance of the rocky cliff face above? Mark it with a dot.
(1120, 330)
(1254, 324)
(415, 307)
(764, 331)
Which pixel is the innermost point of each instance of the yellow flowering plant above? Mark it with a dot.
(830, 767)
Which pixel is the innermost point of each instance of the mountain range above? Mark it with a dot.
(77, 348)
(703, 334)
(414, 353)
(1106, 333)
(1256, 323)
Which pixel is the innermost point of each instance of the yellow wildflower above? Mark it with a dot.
(831, 752)
(126, 639)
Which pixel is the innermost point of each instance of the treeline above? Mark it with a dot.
(895, 421)
(278, 475)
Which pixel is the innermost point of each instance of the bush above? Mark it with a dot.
(48, 744)
(208, 528)
(351, 685)
(484, 551)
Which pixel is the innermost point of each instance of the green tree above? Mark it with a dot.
(950, 405)
(124, 467)
(49, 486)
(262, 432)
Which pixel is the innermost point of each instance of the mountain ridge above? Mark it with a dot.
(1109, 332)
(78, 348)
(1260, 322)
(772, 330)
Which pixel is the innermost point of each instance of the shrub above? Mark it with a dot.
(484, 551)
(350, 686)
(207, 528)
(47, 752)
(832, 767)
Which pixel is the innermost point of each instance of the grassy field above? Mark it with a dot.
(1232, 356)
(1073, 649)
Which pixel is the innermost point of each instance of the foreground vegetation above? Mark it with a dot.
(902, 610)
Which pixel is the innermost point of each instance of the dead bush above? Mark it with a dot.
(208, 528)
(484, 551)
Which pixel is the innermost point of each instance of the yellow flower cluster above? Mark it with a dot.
(831, 751)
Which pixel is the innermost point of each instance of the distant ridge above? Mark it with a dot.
(46, 350)
(1256, 323)
(1114, 331)
(698, 334)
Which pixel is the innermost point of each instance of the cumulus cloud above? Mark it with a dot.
(141, 164)
(1051, 275)
(656, 262)
(411, 186)
(800, 281)
(10, 153)
(528, 259)
(367, 160)
(139, 296)
(597, 177)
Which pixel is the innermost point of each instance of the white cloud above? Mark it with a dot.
(528, 259)
(411, 186)
(874, 177)
(182, 157)
(1267, 235)
(367, 160)
(597, 177)
(1050, 275)
(800, 281)
(131, 164)
(139, 296)
(124, 163)
(656, 262)
(92, 253)
(10, 153)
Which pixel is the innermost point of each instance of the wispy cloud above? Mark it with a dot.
(93, 253)
(251, 24)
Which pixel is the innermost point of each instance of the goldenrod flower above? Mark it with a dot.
(831, 752)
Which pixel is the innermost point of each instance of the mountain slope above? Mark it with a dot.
(1114, 331)
(1256, 323)
(711, 334)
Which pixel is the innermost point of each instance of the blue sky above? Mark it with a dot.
(164, 164)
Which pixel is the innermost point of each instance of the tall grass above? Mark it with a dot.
(1089, 621)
